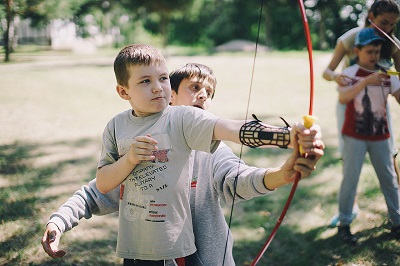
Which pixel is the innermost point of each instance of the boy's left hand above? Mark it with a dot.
(306, 137)
(313, 146)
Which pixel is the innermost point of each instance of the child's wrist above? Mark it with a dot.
(333, 76)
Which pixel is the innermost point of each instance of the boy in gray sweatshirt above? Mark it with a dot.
(213, 177)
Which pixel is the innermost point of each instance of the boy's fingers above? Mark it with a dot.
(50, 245)
(52, 236)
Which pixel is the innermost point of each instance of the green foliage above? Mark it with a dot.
(41, 12)
(204, 23)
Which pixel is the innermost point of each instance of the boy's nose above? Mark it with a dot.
(202, 94)
(157, 88)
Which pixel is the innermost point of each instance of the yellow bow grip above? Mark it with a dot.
(392, 72)
(308, 121)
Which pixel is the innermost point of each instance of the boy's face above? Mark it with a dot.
(368, 56)
(149, 89)
(193, 92)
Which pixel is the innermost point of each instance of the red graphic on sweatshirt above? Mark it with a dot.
(193, 184)
(161, 156)
(121, 192)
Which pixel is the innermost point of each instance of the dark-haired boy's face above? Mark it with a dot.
(193, 92)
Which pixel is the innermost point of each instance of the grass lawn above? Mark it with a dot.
(53, 109)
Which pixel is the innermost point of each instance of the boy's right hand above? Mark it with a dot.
(142, 149)
(50, 241)
(376, 78)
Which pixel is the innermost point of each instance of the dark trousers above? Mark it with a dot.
(189, 260)
(133, 262)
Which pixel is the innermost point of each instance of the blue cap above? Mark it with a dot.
(366, 36)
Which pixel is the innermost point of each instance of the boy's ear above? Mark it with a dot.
(173, 97)
(121, 90)
(356, 51)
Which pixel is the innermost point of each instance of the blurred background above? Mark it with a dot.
(85, 25)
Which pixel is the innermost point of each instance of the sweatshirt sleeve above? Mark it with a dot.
(250, 180)
(83, 204)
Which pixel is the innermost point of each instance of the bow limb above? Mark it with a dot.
(307, 124)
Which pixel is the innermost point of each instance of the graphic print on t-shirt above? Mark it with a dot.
(145, 181)
(370, 111)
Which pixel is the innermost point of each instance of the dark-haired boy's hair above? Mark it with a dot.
(378, 8)
(134, 55)
(190, 70)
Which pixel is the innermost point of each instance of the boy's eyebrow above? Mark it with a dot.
(148, 76)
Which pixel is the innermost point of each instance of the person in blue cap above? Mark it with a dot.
(365, 129)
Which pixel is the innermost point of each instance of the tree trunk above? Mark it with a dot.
(9, 19)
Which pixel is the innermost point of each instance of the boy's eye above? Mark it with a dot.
(164, 78)
(145, 81)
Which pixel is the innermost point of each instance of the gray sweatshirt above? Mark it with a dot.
(212, 176)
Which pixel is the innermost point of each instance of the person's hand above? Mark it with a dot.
(50, 241)
(313, 146)
(306, 137)
(303, 165)
(376, 78)
(142, 149)
(342, 80)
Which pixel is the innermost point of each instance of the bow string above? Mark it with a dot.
(310, 112)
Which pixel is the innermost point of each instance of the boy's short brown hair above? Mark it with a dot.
(135, 54)
(190, 70)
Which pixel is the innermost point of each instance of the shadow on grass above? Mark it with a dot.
(22, 202)
(293, 248)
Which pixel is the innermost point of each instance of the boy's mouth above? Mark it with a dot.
(198, 106)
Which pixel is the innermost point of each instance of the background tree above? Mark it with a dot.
(7, 34)
(205, 23)
(162, 11)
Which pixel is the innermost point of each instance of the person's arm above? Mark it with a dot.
(277, 177)
(226, 129)
(396, 95)
(396, 53)
(396, 60)
(253, 182)
(346, 94)
(229, 130)
(338, 54)
(85, 202)
(111, 175)
(329, 74)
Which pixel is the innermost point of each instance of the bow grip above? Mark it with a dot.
(308, 121)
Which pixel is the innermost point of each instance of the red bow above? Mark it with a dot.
(294, 187)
